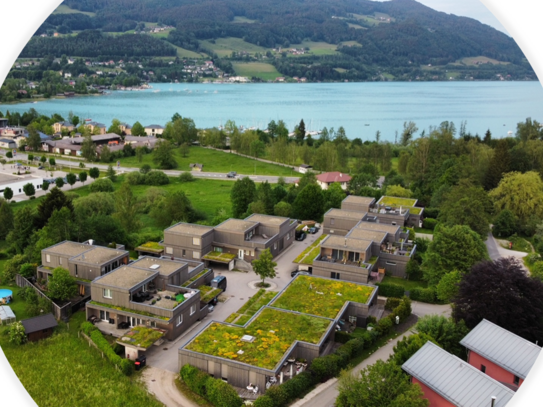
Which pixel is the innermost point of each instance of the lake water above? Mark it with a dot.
(361, 108)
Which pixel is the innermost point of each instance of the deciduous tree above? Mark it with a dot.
(126, 208)
(242, 194)
(309, 203)
(71, 178)
(29, 189)
(6, 219)
(163, 155)
(264, 266)
(61, 285)
(8, 194)
(445, 331)
(94, 173)
(138, 130)
(54, 200)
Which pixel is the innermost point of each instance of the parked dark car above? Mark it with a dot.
(300, 237)
(232, 174)
(141, 361)
(313, 230)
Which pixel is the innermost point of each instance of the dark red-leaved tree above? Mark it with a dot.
(501, 292)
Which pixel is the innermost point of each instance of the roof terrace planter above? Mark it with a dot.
(207, 293)
(196, 277)
(396, 202)
(123, 309)
(150, 247)
(141, 337)
(219, 257)
(274, 331)
(321, 297)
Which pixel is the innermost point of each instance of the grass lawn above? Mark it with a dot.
(397, 202)
(300, 297)
(306, 253)
(260, 70)
(406, 284)
(215, 161)
(472, 61)
(274, 331)
(246, 20)
(251, 307)
(63, 9)
(64, 370)
(224, 47)
(185, 53)
(425, 231)
(519, 244)
(317, 48)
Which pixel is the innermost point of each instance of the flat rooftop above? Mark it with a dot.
(319, 296)
(189, 229)
(361, 200)
(6, 179)
(236, 225)
(346, 243)
(396, 202)
(165, 267)
(365, 234)
(343, 213)
(267, 219)
(99, 255)
(125, 277)
(383, 227)
(69, 249)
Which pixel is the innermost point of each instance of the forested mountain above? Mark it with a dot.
(397, 37)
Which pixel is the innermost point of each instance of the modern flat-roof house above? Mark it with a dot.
(300, 321)
(357, 203)
(500, 354)
(85, 262)
(143, 293)
(328, 178)
(340, 221)
(232, 239)
(448, 381)
(398, 211)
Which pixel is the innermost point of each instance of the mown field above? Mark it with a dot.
(215, 161)
(260, 70)
(224, 47)
(64, 371)
(63, 9)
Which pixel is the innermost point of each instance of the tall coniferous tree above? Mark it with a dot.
(499, 165)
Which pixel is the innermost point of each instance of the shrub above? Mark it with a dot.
(403, 310)
(27, 270)
(127, 367)
(392, 303)
(186, 177)
(413, 270)
(429, 223)
(221, 394)
(532, 258)
(390, 290)
(135, 178)
(371, 319)
(297, 385)
(195, 379)
(264, 401)
(384, 326)
(17, 334)
(278, 396)
(423, 294)
(156, 178)
(325, 367)
(102, 185)
(342, 337)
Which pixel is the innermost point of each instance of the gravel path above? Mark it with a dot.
(161, 383)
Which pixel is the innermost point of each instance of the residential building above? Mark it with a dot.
(39, 327)
(234, 240)
(59, 126)
(448, 381)
(95, 127)
(7, 143)
(154, 130)
(72, 146)
(84, 261)
(328, 178)
(500, 354)
(126, 129)
(4, 122)
(12, 132)
(357, 203)
(251, 362)
(145, 293)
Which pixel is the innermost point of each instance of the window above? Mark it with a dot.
(390, 263)
(275, 246)
(217, 249)
(196, 241)
(48, 258)
(334, 275)
(169, 250)
(192, 309)
(60, 260)
(76, 271)
(332, 221)
(288, 236)
(516, 381)
(107, 293)
(153, 324)
(195, 255)
(393, 223)
(184, 252)
(179, 319)
(483, 368)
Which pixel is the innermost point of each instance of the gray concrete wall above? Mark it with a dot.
(347, 272)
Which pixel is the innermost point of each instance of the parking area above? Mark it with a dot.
(237, 293)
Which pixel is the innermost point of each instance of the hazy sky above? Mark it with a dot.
(467, 8)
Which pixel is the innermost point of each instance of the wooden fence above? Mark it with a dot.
(63, 312)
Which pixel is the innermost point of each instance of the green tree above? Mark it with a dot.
(27, 270)
(59, 182)
(110, 173)
(409, 128)
(54, 200)
(181, 130)
(88, 148)
(399, 191)
(453, 248)
(333, 196)
(445, 331)
(71, 178)
(94, 173)
(29, 189)
(59, 226)
(529, 130)
(145, 169)
(139, 154)
(12, 267)
(309, 204)
(3, 161)
(52, 162)
(282, 209)
(242, 194)
(499, 165)
(378, 385)
(45, 185)
(6, 219)
(17, 334)
(447, 287)
(174, 207)
(34, 139)
(184, 149)
(105, 154)
(163, 155)
(126, 208)
(138, 130)
(264, 194)
(299, 132)
(9, 154)
(8, 194)
(522, 194)
(264, 266)
(115, 127)
(43, 159)
(505, 224)
(83, 177)
(408, 346)
(61, 285)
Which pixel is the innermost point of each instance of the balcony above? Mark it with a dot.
(398, 249)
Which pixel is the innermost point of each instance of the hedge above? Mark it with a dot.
(429, 223)
(423, 295)
(217, 392)
(392, 303)
(126, 365)
(391, 290)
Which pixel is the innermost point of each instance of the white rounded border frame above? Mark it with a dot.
(20, 19)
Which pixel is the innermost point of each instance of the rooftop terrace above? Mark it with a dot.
(189, 229)
(273, 332)
(361, 200)
(321, 296)
(383, 227)
(365, 234)
(267, 219)
(125, 277)
(236, 225)
(165, 267)
(343, 213)
(69, 248)
(393, 201)
(99, 255)
(346, 243)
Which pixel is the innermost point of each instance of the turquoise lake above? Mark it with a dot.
(361, 108)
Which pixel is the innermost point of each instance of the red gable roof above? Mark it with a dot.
(329, 177)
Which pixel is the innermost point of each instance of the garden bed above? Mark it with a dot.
(220, 257)
(251, 307)
(196, 277)
(207, 293)
(152, 247)
(116, 307)
(321, 297)
(142, 336)
(397, 202)
(312, 247)
(274, 332)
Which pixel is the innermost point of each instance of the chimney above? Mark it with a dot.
(493, 400)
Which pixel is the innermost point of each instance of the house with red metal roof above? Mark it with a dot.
(327, 178)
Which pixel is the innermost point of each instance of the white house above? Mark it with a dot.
(17, 182)
(328, 178)
(154, 130)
